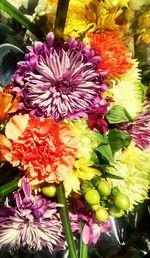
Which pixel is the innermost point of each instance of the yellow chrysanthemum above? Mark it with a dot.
(143, 28)
(82, 170)
(81, 15)
(106, 17)
(87, 139)
(127, 91)
(121, 3)
(132, 164)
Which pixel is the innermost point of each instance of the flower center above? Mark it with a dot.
(63, 86)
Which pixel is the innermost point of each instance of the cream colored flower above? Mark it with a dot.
(133, 165)
(87, 139)
(127, 91)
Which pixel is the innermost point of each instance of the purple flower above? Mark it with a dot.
(59, 80)
(92, 229)
(34, 224)
(139, 129)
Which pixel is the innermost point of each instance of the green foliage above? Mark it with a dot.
(118, 139)
(118, 114)
(105, 150)
(9, 187)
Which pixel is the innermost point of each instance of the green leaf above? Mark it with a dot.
(9, 187)
(113, 176)
(9, 56)
(118, 114)
(118, 139)
(18, 16)
(105, 150)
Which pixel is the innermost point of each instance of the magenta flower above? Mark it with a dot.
(97, 122)
(139, 129)
(34, 224)
(59, 80)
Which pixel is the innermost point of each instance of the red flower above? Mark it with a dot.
(116, 57)
(96, 121)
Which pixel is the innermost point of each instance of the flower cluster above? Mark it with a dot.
(74, 123)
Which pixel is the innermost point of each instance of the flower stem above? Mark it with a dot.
(83, 247)
(22, 19)
(65, 220)
(61, 15)
(9, 187)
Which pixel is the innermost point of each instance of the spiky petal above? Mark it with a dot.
(139, 129)
(59, 80)
(34, 224)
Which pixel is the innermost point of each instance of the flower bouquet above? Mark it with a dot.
(74, 126)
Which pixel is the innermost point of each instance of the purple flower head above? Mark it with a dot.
(59, 79)
(92, 229)
(139, 129)
(34, 224)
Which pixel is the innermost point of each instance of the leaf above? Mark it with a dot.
(118, 139)
(118, 114)
(113, 176)
(20, 17)
(9, 187)
(5, 32)
(105, 150)
(9, 56)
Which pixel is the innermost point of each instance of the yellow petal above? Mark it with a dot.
(71, 183)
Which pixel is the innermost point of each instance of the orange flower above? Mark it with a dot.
(5, 149)
(44, 148)
(7, 104)
(116, 57)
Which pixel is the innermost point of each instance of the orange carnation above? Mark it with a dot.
(44, 148)
(116, 57)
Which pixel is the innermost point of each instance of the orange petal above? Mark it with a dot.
(15, 104)
(5, 149)
(5, 104)
(16, 126)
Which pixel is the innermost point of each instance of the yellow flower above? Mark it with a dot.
(82, 170)
(129, 83)
(132, 164)
(106, 17)
(81, 15)
(122, 3)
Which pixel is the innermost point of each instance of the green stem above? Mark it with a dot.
(83, 247)
(61, 15)
(9, 187)
(65, 220)
(22, 19)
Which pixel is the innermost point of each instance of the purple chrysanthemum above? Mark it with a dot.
(33, 225)
(59, 80)
(139, 129)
